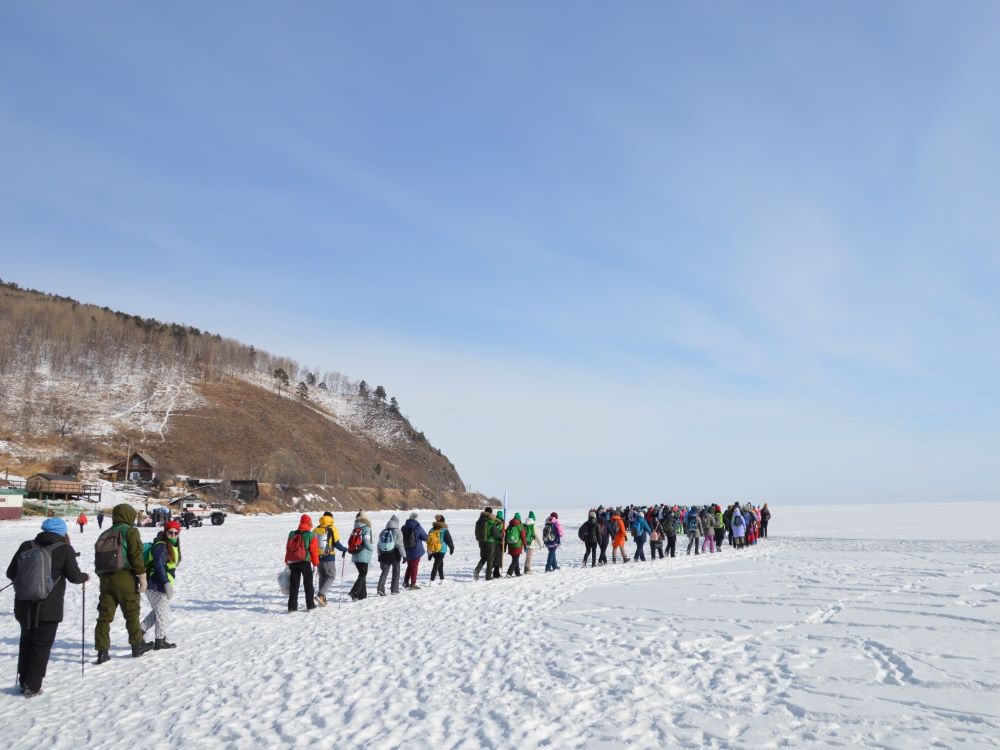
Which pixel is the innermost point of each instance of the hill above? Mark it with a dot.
(78, 383)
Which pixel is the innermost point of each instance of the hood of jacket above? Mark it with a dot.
(515, 521)
(123, 513)
(362, 521)
(393, 522)
(45, 538)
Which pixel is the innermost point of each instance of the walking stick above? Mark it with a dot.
(343, 566)
(83, 628)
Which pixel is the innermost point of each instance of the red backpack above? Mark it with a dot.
(356, 540)
(295, 548)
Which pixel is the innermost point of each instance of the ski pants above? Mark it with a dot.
(550, 563)
(300, 571)
(529, 553)
(327, 574)
(671, 545)
(640, 548)
(654, 548)
(33, 653)
(360, 588)
(720, 534)
(487, 551)
(159, 614)
(603, 559)
(410, 578)
(591, 552)
(693, 540)
(515, 565)
(118, 591)
(393, 566)
(437, 569)
(709, 542)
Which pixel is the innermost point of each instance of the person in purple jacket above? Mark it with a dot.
(414, 537)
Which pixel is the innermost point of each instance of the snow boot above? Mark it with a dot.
(102, 656)
(141, 649)
(161, 644)
(321, 599)
(29, 693)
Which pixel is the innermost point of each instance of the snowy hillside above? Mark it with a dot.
(841, 630)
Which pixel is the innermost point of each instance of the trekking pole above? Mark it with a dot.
(83, 628)
(343, 566)
(7, 586)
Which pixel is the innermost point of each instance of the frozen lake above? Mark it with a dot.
(852, 626)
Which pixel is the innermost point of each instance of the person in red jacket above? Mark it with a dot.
(514, 536)
(301, 555)
(81, 521)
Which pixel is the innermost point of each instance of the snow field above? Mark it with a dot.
(818, 637)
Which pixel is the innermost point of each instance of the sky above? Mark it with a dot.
(600, 252)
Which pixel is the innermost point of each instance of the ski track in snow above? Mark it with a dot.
(804, 641)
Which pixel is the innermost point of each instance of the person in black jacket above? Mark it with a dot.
(588, 535)
(39, 620)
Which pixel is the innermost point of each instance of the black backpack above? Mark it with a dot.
(34, 580)
(109, 552)
(409, 537)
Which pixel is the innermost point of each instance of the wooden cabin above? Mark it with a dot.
(53, 485)
(139, 467)
(11, 501)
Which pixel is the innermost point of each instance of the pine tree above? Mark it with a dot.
(310, 378)
(302, 391)
(380, 394)
(363, 389)
(394, 405)
(322, 385)
(280, 379)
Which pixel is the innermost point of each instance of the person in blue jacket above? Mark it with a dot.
(640, 533)
(362, 556)
(161, 573)
(414, 537)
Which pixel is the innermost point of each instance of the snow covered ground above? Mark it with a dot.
(853, 626)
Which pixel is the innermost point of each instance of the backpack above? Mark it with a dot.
(435, 541)
(34, 580)
(529, 533)
(549, 532)
(147, 558)
(514, 536)
(295, 548)
(386, 540)
(409, 537)
(738, 520)
(692, 523)
(109, 552)
(356, 540)
(656, 534)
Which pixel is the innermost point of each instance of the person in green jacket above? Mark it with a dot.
(494, 535)
(122, 588)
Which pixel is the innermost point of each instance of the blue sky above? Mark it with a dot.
(600, 252)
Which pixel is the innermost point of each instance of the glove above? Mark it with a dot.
(142, 584)
(169, 590)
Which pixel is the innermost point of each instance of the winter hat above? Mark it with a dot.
(328, 513)
(500, 514)
(413, 515)
(55, 525)
(555, 515)
(306, 519)
(531, 514)
(172, 526)
(488, 511)
(517, 516)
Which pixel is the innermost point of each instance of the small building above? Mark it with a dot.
(53, 485)
(245, 490)
(139, 467)
(11, 502)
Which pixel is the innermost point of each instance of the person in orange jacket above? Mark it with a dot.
(81, 521)
(618, 537)
(301, 555)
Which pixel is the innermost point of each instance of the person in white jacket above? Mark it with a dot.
(532, 541)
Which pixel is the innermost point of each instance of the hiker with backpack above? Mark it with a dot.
(162, 557)
(328, 538)
(499, 530)
(514, 538)
(727, 520)
(640, 533)
(439, 544)
(671, 528)
(414, 537)
(390, 554)
(532, 541)
(603, 536)
(655, 537)
(618, 537)
(708, 526)
(81, 521)
(588, 535)
(359, 544)
(119, 565)
(693, 529)
(739, 527)
(486, 546)
(551, 538)
(39, 571)
(720, 526)
(301, 556)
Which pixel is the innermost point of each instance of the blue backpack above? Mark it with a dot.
(692, 522)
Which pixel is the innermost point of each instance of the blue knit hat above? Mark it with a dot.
(55, 525)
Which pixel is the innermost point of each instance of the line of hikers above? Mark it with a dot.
(126, 567)
(308, 548)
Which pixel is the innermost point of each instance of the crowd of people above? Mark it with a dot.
(127, 568)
